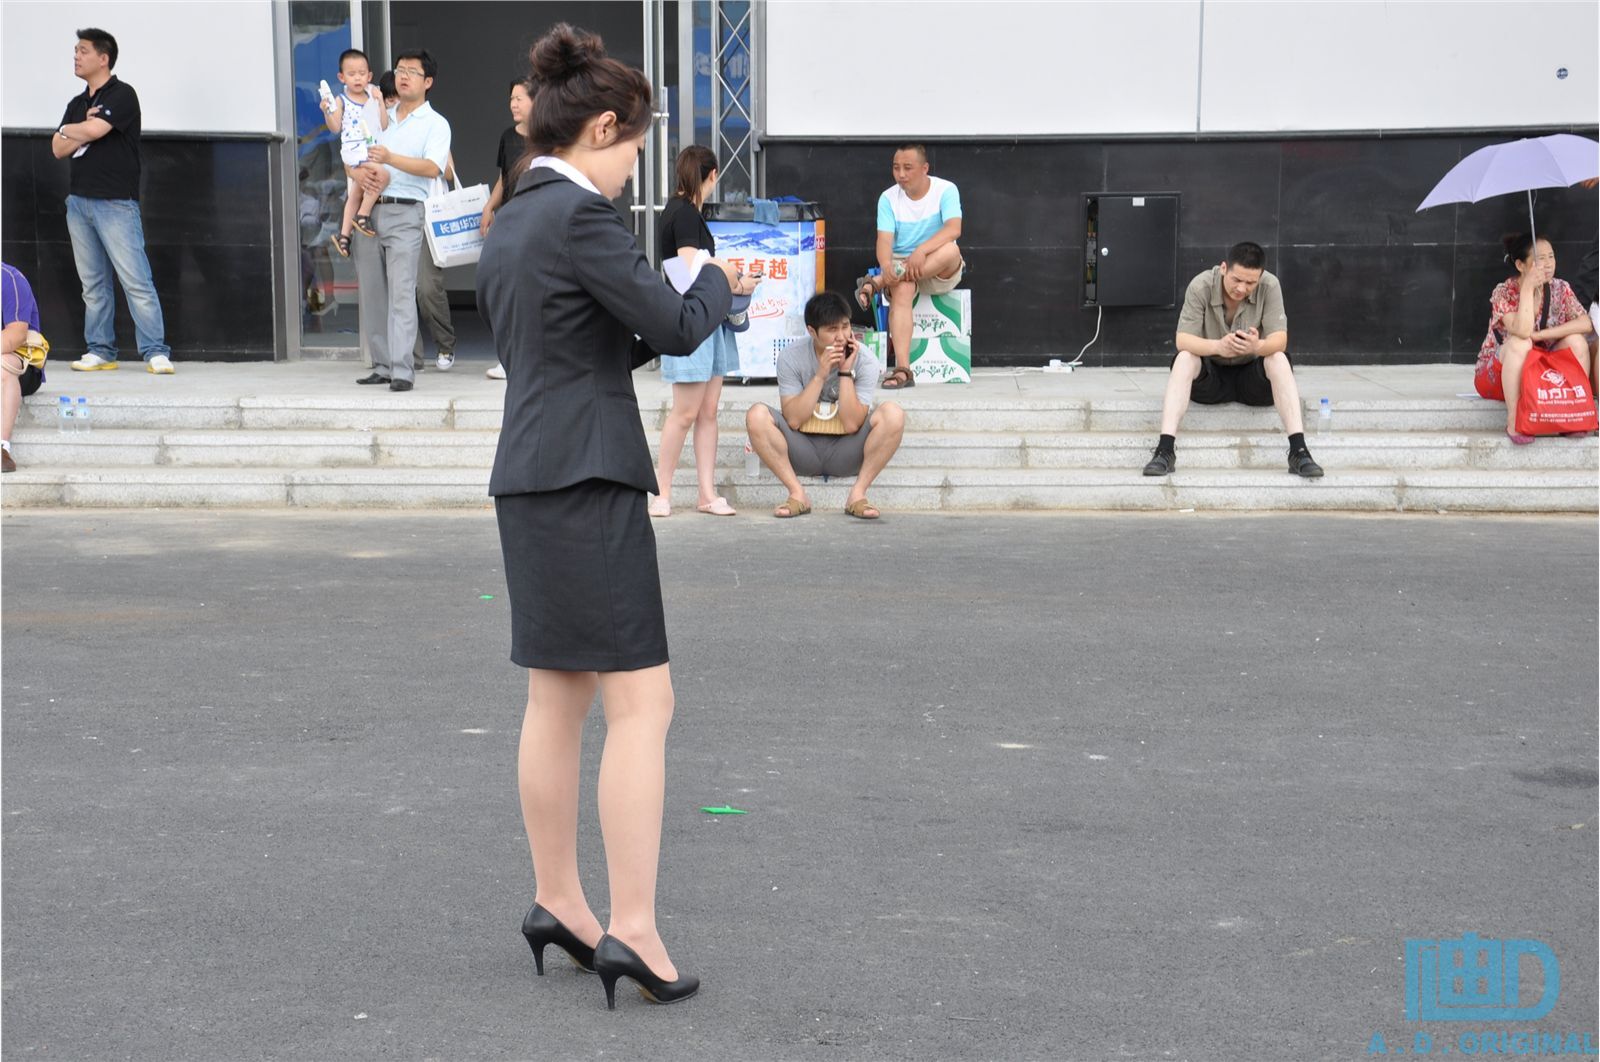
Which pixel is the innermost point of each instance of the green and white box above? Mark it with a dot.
(942, 315)
(876, 344)
(942, 359)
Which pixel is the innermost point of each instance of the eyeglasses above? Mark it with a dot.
(406, 71)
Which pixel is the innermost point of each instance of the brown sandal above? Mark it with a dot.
(859, 510)
(363, 224)
(341, 243)
(866, 291)
(897, 378)
(796, 508)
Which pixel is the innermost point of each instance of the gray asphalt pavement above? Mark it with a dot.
(1164, 786)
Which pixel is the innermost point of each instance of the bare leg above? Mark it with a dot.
(547, 778)
(1513, 354)
(633, 772)
(901, 295)
(686, 401)
(1175, 403)
(773, 449)
(888, 428)
(1578, 347)
(352, 203)
(369, 200)
(944, 262)
(1285, 392)
(705, 441)
(10, 398)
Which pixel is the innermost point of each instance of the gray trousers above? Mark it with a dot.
(433, 306)
(386, 272)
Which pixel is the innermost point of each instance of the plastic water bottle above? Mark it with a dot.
(752, 463)
(64, 418)
(82, 416)
(1325, 417)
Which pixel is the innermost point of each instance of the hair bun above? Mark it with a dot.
(564, 52)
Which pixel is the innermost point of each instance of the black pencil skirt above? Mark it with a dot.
(582, 578)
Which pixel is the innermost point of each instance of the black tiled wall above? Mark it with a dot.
(1366, 278)
(207, 209)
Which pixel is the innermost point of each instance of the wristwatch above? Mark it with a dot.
(847, 375)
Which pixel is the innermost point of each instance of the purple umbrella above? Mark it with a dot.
(1521, 166)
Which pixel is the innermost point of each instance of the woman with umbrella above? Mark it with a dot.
(1530, 309)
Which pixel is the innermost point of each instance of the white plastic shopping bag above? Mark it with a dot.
(451, 217)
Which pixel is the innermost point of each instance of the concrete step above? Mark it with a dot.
(934, 412)
(467, 448)
(899, 489)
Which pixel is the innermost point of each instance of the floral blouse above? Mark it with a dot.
(1564, 307)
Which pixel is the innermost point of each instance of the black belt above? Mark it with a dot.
(399, 202)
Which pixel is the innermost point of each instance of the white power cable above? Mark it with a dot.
(1075, 362)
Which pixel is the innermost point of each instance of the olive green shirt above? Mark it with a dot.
(1205, 314)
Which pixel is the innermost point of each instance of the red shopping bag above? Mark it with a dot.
(1556, 395)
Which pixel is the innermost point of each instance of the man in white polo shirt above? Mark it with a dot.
(919, 222)
(413, 149)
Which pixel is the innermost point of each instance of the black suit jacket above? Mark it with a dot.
(574, 308)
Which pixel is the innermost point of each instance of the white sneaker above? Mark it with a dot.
(496, 372)
(93, 363)
(161, 365)
(444, 362)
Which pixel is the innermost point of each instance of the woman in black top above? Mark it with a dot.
(574, 308)
(513, 149)
(696, 380)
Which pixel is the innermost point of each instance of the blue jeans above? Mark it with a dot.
(107, 234)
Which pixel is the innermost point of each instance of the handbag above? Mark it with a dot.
(824, 420)
(450, 222)
(1556, 397)
(33, 351)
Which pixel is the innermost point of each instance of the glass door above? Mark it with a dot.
(319, 30)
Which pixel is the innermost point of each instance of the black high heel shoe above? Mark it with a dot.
(541, 928)
(614, 959)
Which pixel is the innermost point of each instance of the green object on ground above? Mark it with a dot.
(724, 810)
(485, 597)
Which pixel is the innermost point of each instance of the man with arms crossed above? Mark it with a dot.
(100, 134)
(1231, 339)
(919, 222)
(415, 149)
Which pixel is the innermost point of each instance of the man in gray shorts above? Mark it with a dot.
(826, 425)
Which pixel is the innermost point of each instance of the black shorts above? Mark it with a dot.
(30, 379)
(1216, 384)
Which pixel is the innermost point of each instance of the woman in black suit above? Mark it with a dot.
(574, 308)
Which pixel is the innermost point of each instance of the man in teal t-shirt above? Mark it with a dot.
(919, 222)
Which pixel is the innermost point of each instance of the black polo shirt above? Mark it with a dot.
(109, 169)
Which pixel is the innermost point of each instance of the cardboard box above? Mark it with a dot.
(942, 315)
(942, 359)
(876, 344)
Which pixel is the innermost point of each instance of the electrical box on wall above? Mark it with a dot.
(1130, 249)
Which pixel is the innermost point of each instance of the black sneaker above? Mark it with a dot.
(1300, 464)
(1161, 463)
